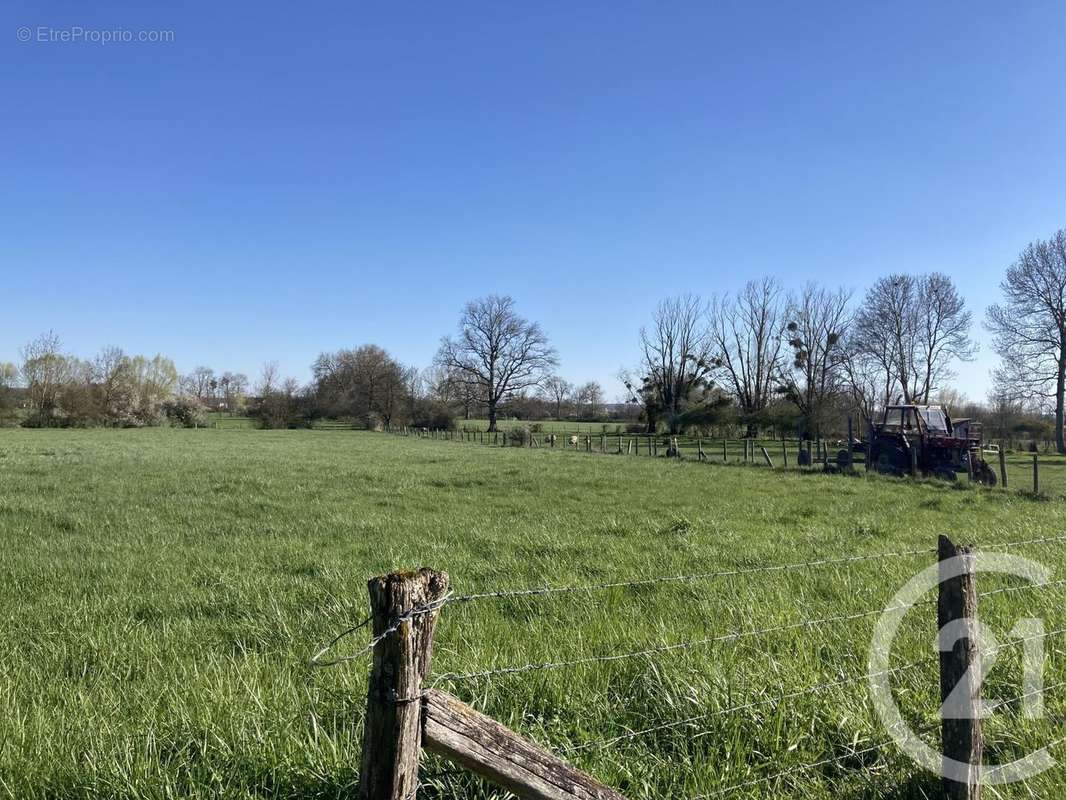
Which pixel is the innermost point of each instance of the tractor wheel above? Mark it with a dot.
(985, 475)
(843, 459)
(890, 461)
(945, 474)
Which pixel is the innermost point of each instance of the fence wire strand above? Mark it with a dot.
(456, 677)
(318, 661)
(742, 707)
(698, 576)
(1026, 587)
(428, 608)
(855, 753)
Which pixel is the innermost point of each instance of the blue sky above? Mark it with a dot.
(282, 179)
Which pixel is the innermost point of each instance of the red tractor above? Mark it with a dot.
(926, 439)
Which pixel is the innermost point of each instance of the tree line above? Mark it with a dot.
(762, 357)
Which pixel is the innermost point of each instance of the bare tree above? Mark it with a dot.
(558, 392)
(590, 395)
(675, 360)
(200, 383)
(916, 327)
(269, 378)
(497, 353)
(234, 387)
(746, 333)
(1029, 328)
(818, 320)
(869, 379)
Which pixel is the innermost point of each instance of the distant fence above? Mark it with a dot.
(408, 710)
(780, 453)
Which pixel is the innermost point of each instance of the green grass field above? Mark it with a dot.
(163, 590)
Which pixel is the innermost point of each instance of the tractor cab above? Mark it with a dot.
(916, 421)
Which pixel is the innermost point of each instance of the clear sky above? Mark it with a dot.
(285, 178)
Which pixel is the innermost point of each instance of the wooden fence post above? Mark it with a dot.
(392, 738)
(851, 437)
(960, 671)
(725, 453)
(784, 453)
(1002, 467)
(1036, 475)
(766, 455)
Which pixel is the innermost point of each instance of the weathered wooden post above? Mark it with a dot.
(960, 669)
(784, 453)
(851, 437)
(766, 455)
(725, 450)
(392, 737)
(1002, 467)
(1036, 475)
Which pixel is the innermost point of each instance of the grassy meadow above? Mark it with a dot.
(162, 591)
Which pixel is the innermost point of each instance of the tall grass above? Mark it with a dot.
(164, 589)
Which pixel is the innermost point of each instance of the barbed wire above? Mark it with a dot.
(317, 660)
(1041, 540)
(455, 677)
(1026, 587)
(855, 753)
(736, 787)
(743, 707)
(1042, 690)
(697, 576)
(427, 608)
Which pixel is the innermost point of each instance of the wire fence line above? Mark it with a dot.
(696, 576)
(726, 573)
(691, 722)
(318, 659)
(1022, 588)
(457, 677)
(427, 608)
(814, 689)
(882, 745)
